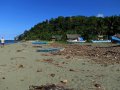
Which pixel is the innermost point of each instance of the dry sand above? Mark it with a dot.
(21, 66)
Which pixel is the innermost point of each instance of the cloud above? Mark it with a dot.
(100, 15)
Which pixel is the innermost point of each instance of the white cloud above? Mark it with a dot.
(100, 15)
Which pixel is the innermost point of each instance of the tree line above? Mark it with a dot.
(87, 27)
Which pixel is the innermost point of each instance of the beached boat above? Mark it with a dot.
(75, 41)
(49, 49)
(101, 41)
(78, 40)
(40, 42)
(115, 39)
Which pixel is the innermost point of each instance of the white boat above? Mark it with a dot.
(75, 41)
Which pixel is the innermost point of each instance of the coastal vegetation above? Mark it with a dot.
(87, 27)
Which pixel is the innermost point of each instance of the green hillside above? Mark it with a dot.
(87, 27)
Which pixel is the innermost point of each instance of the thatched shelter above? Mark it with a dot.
(100, 37)
(56, 37)
(73, 36)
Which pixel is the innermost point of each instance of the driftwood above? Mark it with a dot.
(48, 87)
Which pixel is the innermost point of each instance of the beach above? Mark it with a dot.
(21, 66)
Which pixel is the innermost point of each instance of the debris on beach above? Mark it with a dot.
(3, 65)
(20, 50)
(51, 61)
(67, 57)
(47, 54)
(97, 85)
(39, 70)
(3, 77)
(48, 60)
(37, 46)
(64, 81)
(102, 55)
(20, 66)
(22, 80)
(14, 58)
(52, 75)
(48, 87)
(71, 70)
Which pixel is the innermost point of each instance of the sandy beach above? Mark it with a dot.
(22, 66)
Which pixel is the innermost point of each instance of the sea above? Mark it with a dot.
(10, 41)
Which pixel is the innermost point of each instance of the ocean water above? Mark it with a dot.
(10, 41)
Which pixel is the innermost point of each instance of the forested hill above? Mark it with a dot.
(88, 27)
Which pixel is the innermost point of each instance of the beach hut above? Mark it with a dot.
(100, 37)
(56, 37)
(53, 38)
(73, 36)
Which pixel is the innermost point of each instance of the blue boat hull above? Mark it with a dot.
(101, 41)
(39, 43)
(48, 50)
(115, 39)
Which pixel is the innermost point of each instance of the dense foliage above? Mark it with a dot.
(88, 27)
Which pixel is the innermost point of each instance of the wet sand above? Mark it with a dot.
(21, 66)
